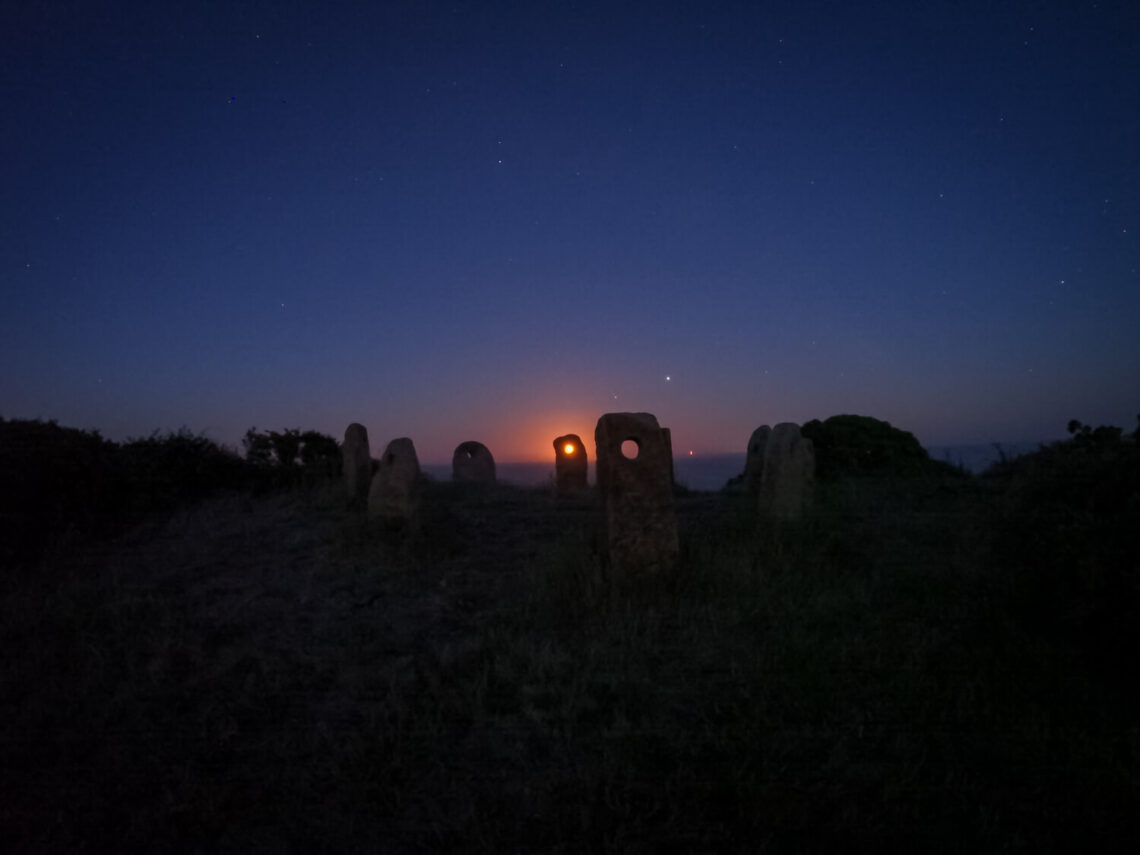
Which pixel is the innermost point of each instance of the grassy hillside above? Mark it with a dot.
(930, 661)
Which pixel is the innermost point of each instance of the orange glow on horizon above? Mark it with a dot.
(530, 439)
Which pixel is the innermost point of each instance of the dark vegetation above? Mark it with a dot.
(861, 446)
(928, 661)
(61, 484)
(291, 458)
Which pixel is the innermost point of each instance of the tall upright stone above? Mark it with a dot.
(472, 463)
(788, 478)
(636, 491)
(754, 458)
(357, 460)
(570, 464)
(394, 494)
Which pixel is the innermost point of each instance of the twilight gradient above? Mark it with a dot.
(496, 221)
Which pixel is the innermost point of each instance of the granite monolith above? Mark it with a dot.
(754, 458)
(636, 493)
(570, 464)
(357, 459)
(472, 463)
(394, 494)
(788, 477)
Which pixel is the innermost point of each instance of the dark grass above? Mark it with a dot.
(911, 667)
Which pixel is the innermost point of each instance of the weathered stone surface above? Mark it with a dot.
(640, 525)
(357, 459)
(570, 463)
(754, 460)
(473, 463)
(395, 489)
(788, 477)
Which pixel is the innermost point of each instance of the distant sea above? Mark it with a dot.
(712, 471)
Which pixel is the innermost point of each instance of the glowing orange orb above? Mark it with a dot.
(568, 448)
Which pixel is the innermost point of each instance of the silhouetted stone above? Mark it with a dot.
(789, 473)
(754, 459)
(570, 463)
(640, 525)
(473, 463)
(357, 459)
(394, 493)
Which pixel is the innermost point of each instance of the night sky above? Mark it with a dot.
(494, 221)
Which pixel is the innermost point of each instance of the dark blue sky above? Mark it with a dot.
(497, 221)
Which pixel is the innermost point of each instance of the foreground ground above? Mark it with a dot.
(270, 673)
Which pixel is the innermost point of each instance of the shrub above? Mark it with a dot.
(61, 483)
(57, 481)
(861, 445)
(1068, 534)
(290, 457)
(166, 471)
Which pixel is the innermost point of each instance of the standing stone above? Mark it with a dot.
(640, 525)
(570, 464)
(788, 477)
(357, 459)
(473, 463)
(754, 459)
(394, 494)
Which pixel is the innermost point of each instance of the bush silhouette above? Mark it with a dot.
(57, 481)
(290, 457)
(1069, 537)
(61, 483)
(165, 471)
(861, 445)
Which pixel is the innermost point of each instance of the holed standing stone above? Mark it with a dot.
(640, 524)
(788, 478)
(570, 464)
(394, 493)
(472, 463)
(754, 459)
(357, 458)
